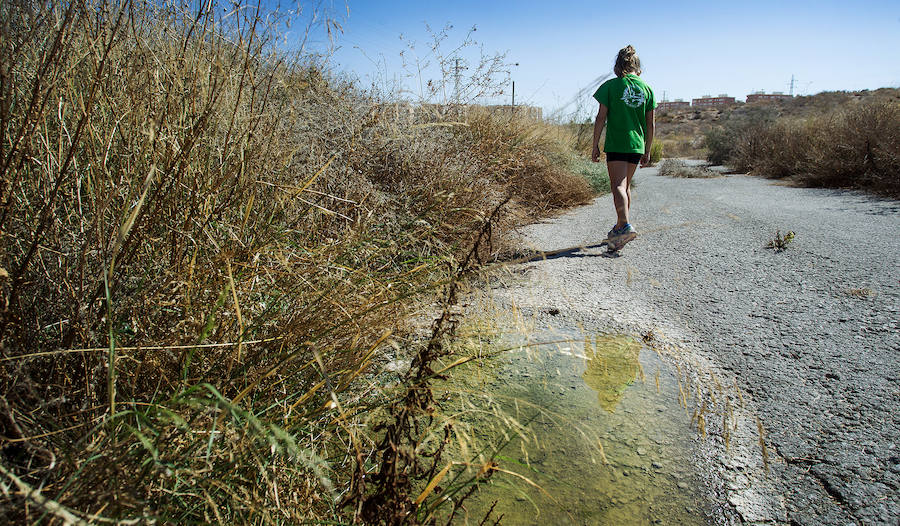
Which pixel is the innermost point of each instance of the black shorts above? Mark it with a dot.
(633, 158)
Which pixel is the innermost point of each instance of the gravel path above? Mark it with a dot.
(810, 334)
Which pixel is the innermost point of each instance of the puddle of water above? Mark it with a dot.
(607, 443)
(612, 365)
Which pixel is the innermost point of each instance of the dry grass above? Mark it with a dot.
(864, 292)
(536, 171)
(853, 147)
(205, 245)
(679, 168)
(682, 131)
(855, 144)
(683, 145)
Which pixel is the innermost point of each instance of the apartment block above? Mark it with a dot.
(673, 105)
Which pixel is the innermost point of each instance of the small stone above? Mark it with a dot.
(656, 465)
(553, 311)
(641, 451)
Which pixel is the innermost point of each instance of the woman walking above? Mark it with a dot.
(627, 110)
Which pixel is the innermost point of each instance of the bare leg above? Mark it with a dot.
(620, 174)
(631, 169)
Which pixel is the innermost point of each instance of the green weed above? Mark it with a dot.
(779, 242)
(594, 173)
(656, 152)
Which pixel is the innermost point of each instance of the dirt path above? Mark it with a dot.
(810, 335)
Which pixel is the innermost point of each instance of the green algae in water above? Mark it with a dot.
(604, 447)
(612, 366)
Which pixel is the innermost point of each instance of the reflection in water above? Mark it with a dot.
(612, 365)
(629, 463)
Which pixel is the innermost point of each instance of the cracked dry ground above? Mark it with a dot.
(810, 334)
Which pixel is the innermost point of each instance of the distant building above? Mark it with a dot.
(762, 96)
(673, 105)
(707, 102)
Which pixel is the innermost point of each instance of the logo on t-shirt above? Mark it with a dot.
(633, 97)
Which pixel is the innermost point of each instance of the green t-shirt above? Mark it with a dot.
(627, 99)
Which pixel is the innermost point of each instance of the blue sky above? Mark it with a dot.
(688, 49)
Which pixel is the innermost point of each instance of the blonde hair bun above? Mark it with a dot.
(627, 61)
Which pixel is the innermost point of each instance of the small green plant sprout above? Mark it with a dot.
(779, 242)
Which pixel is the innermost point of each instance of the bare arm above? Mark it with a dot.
(648, 141)
(599, 123)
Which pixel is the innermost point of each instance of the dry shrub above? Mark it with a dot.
(582, 134)
(683, 146)
(740, 139)
(776, 150)
(857, 147)
(854, 145)
(679, 168)
(206, 243)
(529, 158)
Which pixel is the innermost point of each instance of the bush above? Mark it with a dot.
(719, 143)
(857, 145)
(737, 140)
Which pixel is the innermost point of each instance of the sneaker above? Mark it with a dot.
(609, 237)
(619, 238)
(611, 233)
